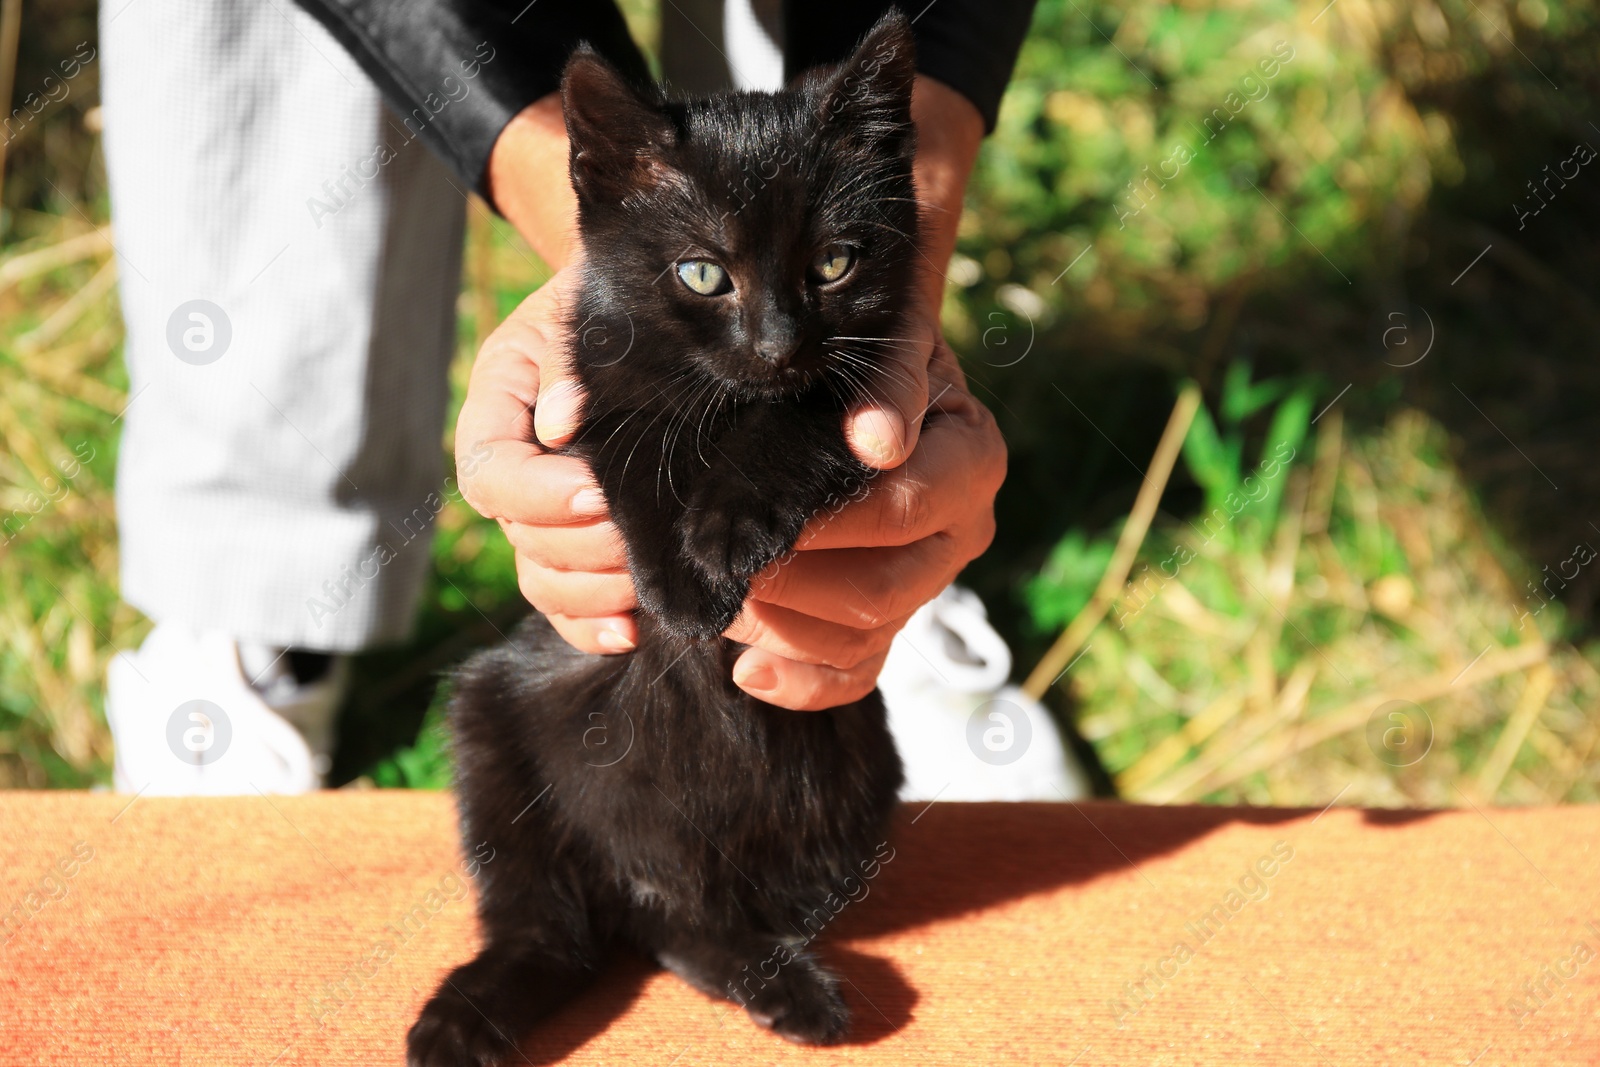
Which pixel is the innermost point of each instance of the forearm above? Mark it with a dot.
(527, 180)
(949, 131)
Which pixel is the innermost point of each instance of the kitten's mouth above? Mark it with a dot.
(776, 383)
(780, 383)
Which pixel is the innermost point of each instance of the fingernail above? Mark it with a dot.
(614, 640)
(555, 415)
(589, 502)
(760, 678)
(881, 434)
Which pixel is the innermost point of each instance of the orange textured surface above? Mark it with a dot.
(251, 931)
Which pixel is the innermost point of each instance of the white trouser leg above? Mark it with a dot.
(281, 458)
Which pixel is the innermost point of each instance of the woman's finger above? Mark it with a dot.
(883, 431)
(522, 393)
(590, 546)
(806, 639)
(606, 635)
(960, 460)
(866, 587)
(517, 482)
(804, 686)
(575, 593)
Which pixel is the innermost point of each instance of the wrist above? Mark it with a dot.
(529, 184)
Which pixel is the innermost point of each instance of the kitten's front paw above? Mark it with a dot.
(729, 534)
(451, 1032)
(691, 606)
(804, 1006)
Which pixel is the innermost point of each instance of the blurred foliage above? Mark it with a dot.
(53, 158)
(423, 764)
(1238, 510)
(61, 388)
(1355, 179)
(1149, 156)
(1332, 622)
(1062, 588)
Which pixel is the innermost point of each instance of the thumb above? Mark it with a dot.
(559, 406)
(883, 431)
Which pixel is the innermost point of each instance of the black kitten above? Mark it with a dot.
(746, 263)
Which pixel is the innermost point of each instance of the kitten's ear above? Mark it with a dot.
(619, 140)
(869, 94)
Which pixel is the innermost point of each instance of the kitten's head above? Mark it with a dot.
(758, 240)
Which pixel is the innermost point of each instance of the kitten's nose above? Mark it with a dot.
(777, 351)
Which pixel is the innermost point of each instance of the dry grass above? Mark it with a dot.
(61, 387)
(1374, 649)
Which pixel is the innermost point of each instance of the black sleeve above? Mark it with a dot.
(456, 71)
(970, 45)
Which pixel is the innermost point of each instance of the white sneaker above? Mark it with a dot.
(187, 718)
(962, 731)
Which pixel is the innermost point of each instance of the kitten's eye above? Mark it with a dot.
(833, 263)
(703, 277)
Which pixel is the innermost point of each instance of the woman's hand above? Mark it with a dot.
(820, 620)
(522, 402)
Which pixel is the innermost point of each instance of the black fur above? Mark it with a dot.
(643, 801)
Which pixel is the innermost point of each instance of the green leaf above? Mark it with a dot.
(1286, 438)
(1213, 462)
(1062, 589)
(1240, 399)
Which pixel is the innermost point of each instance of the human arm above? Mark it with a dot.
(457, 72)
